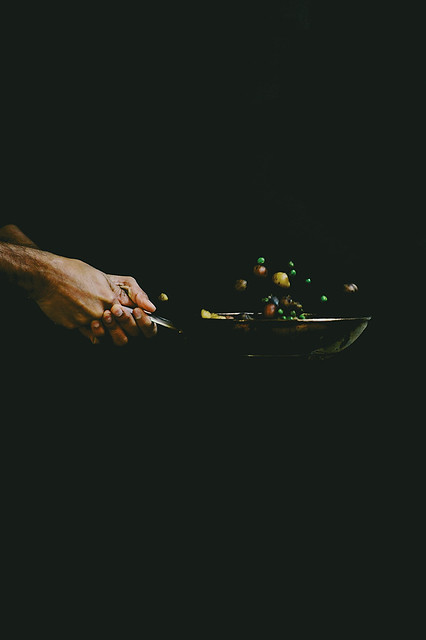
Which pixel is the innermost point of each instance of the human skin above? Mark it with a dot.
(74, 294)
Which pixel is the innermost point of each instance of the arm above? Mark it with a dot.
(70, 292)
(12, 233)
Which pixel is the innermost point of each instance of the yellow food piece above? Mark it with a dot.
(281, 279)
(209, 315)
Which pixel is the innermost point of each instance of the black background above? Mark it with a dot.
(176, 145)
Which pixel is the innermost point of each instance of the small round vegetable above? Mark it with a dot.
(324, 299)
(269, 310)
(261, 261)
(163, 297)
(286, 301)
(260, 270)
(350, 288)
(280, 278)
(308, 280)
(293, 272)
(241, 284)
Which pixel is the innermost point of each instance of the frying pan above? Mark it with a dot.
(252, 335)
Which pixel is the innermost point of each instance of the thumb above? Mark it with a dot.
(135, 295)
(144, 302)
(124, 295)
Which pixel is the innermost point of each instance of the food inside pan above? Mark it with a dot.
(285, 293)
(278, 310)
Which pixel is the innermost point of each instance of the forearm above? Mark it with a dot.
(23, 266)
(70, 292)
(12, 234)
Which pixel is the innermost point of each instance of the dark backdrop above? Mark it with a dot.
(179, 145)
(175, 145)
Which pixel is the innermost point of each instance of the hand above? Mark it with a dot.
(73, 294)
(121, 323)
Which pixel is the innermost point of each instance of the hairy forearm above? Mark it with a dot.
(70, 292)
(21, 261)
(13, 234)
(23, 266)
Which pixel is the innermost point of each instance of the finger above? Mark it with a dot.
(131, 289)
(117, 334)
(87, 333)
(123, 316)
(121, 290)
(144, 322)
(144, 302)
(97, 328)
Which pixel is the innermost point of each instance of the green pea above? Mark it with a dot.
(293, 272)
(308, 281)
(323, 298)
(260, 260)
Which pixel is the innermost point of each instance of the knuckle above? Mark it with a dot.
(151, 330)
(111, 298)
(121, 340)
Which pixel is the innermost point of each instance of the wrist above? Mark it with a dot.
(37, 273)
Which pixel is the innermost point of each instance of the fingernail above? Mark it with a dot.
(96, 324)
(108, 318)
(137, 313)
(117, 311)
